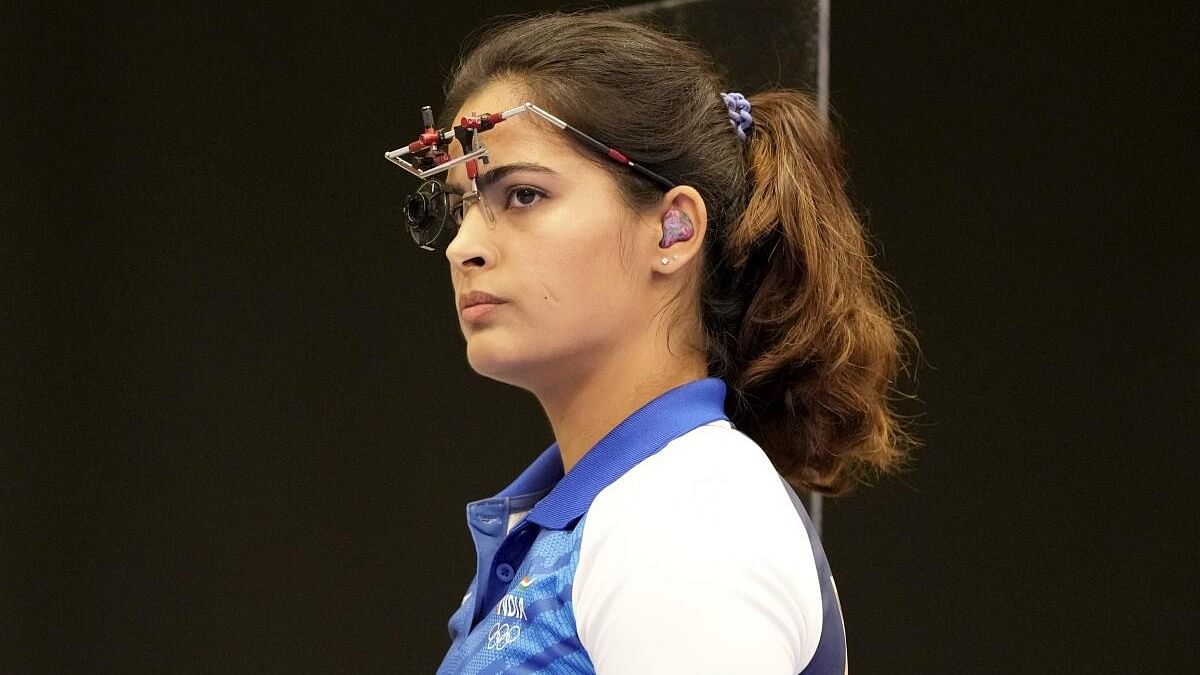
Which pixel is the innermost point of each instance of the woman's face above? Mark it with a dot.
(553, 255)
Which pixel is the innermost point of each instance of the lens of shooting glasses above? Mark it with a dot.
(416, 208)
(426, 213)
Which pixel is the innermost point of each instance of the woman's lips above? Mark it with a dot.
(477, 305)
(477, 313)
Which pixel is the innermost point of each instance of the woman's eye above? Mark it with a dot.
(523, 197)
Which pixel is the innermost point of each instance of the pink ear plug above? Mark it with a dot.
(677, 227)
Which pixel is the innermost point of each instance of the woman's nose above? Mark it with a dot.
(472, 245)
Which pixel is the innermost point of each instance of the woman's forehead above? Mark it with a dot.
(496, 96)
(519, 139)
(510, 137)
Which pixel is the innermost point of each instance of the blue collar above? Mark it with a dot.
(640, 435)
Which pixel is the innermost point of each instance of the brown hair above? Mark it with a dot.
(795, 317)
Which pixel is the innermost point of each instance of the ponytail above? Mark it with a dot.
(798, 319)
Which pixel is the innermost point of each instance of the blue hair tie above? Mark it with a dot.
(739, 113)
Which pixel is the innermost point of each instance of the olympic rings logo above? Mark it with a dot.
(502, 635)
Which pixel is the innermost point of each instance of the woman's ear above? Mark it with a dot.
(680, 227)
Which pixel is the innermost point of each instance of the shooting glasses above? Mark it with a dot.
(434, 207)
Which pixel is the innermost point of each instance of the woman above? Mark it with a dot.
(702, 323)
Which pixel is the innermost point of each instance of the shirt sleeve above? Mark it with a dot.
(694, 563)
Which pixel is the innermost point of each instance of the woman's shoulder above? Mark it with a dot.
(705, 522)
(713, 475)
(713, 461)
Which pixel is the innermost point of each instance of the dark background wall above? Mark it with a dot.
(237, 429)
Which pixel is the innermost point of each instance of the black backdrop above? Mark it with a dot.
(238, 430)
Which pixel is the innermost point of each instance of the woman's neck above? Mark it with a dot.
(585, 408)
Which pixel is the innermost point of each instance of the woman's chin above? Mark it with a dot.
(494, 362)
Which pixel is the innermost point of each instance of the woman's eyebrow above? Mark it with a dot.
(496, 174)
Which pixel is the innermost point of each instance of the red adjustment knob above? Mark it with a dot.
(617, 156)
(483, 122)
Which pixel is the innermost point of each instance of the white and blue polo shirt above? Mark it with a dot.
(672, 546)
